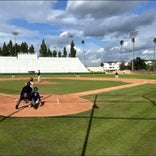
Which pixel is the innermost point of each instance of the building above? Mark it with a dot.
(111, 66)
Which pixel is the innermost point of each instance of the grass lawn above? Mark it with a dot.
(108, 75)
(124, 124)
(59, 87)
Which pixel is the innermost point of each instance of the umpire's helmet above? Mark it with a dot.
(35, 89)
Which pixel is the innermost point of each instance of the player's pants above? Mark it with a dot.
(39, 78)
(34, 102)
(25, 96)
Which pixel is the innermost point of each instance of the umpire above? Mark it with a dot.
(25, 94)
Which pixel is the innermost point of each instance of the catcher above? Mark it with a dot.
(35, 98)
(25, 94)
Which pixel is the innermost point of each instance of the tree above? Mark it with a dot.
(101, 64)
(0, 51)
(54, 53)
(24, 47)
(31, 49)
(10, 49)
(64, 52)
(133, 35)
(121, 43)
(72, 50)
(154, 41)
(49, 53)
(5, 50)
(16, 49)
(123, 66)
(43, 49)
(59, 54)
(139, 64)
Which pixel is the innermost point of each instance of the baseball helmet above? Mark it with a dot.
(31, 79)
(35, 89)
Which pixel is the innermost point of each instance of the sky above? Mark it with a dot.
(100, 24)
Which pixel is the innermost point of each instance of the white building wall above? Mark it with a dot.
(8, 64)
(30, 62)
(111, 66)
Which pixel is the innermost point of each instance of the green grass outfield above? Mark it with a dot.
(109, 75)
(124, 124)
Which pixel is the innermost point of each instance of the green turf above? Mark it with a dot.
(124, 124)
(101, 75)
(58, 86)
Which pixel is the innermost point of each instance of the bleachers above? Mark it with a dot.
(25, 63)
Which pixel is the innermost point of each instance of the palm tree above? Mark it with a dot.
(121, 43)
(154, 41)
(133, 41)
(133, 34)
(83, 42)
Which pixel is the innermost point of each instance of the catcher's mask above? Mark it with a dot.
(35, 89)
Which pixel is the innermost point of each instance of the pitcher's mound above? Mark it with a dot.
(44, 82)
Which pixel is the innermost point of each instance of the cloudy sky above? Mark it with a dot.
(101, 24)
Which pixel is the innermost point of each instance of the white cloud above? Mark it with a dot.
(101, 50)
(147, 52)
(100, 9)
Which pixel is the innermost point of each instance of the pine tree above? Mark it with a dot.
(0, 51)
(24, 47)
(64, 52)
(59, 54)
(43, 49)
(72, 50)
(5, 51)
(54, 53)
(31, 49)
(49, 53)
(10, 49)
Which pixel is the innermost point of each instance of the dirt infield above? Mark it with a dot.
(57, 105)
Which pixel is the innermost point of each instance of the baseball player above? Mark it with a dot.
(38, 76)
(116, 75)
(25, 94)
(35, 98)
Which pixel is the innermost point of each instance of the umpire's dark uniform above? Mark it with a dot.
(25, 94)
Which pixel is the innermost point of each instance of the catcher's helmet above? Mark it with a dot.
(35, 89)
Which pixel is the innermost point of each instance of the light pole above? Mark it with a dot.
(15, 34)
(121, 43)
(70, 36)
(133, 34)
(70, 40)
(154, 41)
(83, 42)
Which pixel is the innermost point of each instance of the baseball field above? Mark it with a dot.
(95, 114)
